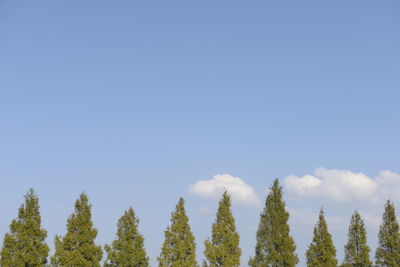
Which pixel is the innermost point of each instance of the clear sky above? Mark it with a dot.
(135, 101)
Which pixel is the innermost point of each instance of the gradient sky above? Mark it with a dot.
(134, 101)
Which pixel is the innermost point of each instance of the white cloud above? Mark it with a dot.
(344, 185)
(305, 186)
(340, 192)
(240, 192)
(389, 184)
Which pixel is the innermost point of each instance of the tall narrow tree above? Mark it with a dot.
(275, 247)
(179, 247)
(223, 248)
(24, 245)
(128, 249)
(321, 252)
(356, 251)
(388, 251)
(77, 248)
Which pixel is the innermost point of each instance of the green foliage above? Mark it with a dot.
(77, 247)
(321, 252)
(128, 249)
(24, 245)
(356, 251)
(223, 248)
(179, 248)
(275, 247)
(388, 251)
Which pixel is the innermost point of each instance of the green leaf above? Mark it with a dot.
(179, 247)
(275, 247)
(24, 245)
(321, 252)
(223, 248)
(77, 248)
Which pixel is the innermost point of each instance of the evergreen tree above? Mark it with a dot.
(356, 251)
(275, 247)
(24, 245)
(179, 248)
(388, 251)
(77, 248)
(321, 252)
(128, 249)
(223, 248)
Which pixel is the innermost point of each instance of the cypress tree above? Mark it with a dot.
(24, 245)
(179, 247)
(356, 251)
(275, 247)
(321, 252)
(223, 248)
(77, 248)
(128, 249)
(388, 251)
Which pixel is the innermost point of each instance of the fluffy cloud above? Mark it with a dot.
(240, 192)
(344, 185)
(389, 184)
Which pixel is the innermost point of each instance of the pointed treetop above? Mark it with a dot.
(128, 249)
(356, 249)
(77, 247)
(24, 244)
(179, 247)
(321, 252)
(223, 248)
(275, 246)
(388, 251)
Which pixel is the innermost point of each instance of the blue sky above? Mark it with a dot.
(136, 101)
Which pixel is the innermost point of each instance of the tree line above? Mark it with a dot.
(24, 244)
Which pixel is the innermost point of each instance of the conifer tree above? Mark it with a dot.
(356, 251)
(321, 252)
(275, 247)
(223, 248)
(24, 245)
(388, 251)
(77, 248)
(128, 249)
(179, 247)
